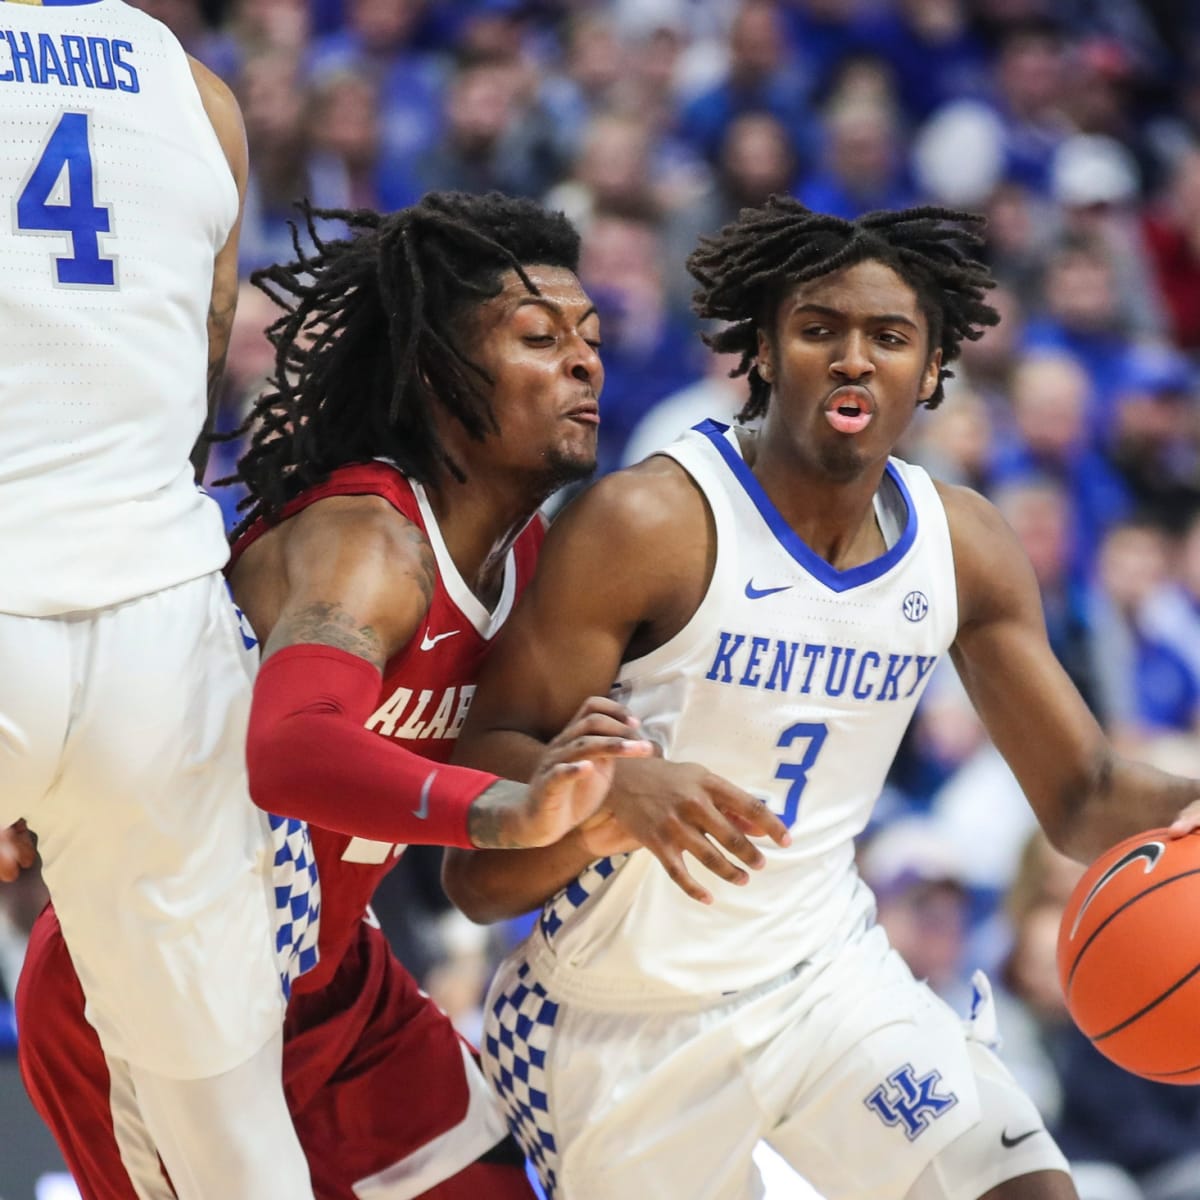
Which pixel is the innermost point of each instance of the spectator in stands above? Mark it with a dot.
(934, 53)
(1094, 181)
(987, 365)
(1052, 411)
(1172, 229)
(860, 170)
(1171, 615)
(612, 172)
(1082, 316)
(283, 169)
(648, 353)
(1041, 511)
(757, 160)
(344, 123)
(495, 136)
(1155, 438)
(1144, 685)
(381, 40)
(761, 77)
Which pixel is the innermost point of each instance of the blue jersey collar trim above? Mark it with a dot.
(813, 563)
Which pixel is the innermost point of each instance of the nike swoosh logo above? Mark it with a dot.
(428, 643)
(1150, 851)
(422, 809)
(753, 593)
(1009, 1142)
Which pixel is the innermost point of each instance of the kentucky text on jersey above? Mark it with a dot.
(746, 660)
(404, 716)
(68, 60)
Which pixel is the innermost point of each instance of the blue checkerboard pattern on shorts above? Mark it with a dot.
(572, 897)
(516, 1036)
(297, 899)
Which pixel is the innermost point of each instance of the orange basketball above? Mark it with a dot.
(1129, 955)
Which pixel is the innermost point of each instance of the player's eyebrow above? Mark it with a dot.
(553, 306)
(823, 310)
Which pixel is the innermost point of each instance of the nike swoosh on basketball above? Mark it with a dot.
(428, 643)
(1009, 1142)
(422, 809)
(753, 593)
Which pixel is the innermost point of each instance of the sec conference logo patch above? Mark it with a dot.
(915, 606)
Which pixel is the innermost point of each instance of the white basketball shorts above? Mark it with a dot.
(122, 743)
(863, 1080)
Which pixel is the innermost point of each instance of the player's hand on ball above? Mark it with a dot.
(671, 808)
(1188, 820)
(18, 851)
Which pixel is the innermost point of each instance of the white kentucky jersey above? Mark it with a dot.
(115, 197)
(793, 680)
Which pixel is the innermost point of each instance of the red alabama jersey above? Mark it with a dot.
(427, 689)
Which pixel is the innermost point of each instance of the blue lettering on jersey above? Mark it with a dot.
(748, 660)
(910, 1102)
(68, 60)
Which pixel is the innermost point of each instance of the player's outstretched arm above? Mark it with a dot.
(226, 117)
(358, 578)
(625, 566)
(1086, 796)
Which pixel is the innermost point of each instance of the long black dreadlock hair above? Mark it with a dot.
(373, 336)
(744, 270)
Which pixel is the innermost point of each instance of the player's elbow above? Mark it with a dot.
(279, 766)
(1082, 821)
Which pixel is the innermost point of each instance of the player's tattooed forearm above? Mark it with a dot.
(490, 819)
(329, 625)
(216, 371)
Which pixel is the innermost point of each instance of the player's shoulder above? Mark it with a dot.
(993, 571)
(975, 522)
(213, 89)
(224, 113)
(644, 500)
(355, 534)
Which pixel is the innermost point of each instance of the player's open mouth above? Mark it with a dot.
(849, 410)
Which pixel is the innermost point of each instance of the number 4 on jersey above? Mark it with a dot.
(59, 197)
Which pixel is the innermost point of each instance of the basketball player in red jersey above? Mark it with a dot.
(438, 380)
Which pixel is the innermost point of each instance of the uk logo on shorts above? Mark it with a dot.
(910, 1101)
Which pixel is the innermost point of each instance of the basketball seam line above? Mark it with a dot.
(1153, 1004)
(1112, 916)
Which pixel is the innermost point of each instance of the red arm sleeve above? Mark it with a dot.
(309, 756)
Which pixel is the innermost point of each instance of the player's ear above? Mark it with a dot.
(764, 364)
(930, 376)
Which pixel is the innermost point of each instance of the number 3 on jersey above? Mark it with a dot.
(796, 773)
(59, 198)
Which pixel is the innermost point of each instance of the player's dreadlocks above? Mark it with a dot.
(375, 333)
(745, 269)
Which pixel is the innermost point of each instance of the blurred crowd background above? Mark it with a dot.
(1074, 125)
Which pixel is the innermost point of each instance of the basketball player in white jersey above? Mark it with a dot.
(125, 686)
(770, 606)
